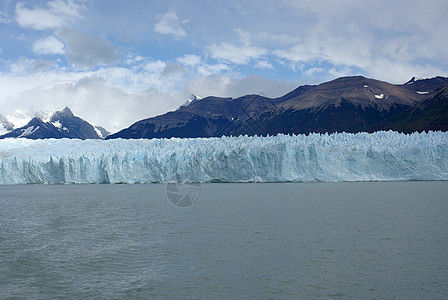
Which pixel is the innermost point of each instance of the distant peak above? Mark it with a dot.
(193, 98)
(411, 81)
(60, 114)
(414, 79)
(66, 112)
(41, 115)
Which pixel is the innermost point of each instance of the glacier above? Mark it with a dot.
(379, 156)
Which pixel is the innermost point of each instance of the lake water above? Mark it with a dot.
(261, 241)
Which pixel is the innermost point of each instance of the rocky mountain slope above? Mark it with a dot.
(62, 124)
(350, 104)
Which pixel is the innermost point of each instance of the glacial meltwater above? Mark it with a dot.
(352, 240)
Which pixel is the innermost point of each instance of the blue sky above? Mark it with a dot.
(115, 62)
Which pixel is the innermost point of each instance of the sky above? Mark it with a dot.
(115, 62)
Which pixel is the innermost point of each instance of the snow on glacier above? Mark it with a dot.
(378, 156)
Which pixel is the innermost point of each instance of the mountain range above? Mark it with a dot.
(350, 104)
(61, 124)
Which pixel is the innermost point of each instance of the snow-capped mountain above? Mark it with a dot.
(101, 131)
(61, 124)
(192, 99)
(5, 125)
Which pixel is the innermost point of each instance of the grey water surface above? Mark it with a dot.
(371, 240)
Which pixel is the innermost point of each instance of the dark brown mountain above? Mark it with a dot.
(350, 104)
(429, 114)
(208, 117)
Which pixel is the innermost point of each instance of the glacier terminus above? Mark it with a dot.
(379, 156)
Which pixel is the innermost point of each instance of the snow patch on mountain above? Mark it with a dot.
(57, 124)
(29, 131)
(414, 79)
(192, 99)
(380, 96)
(100, 134)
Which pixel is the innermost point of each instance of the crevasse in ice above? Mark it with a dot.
(302, 158)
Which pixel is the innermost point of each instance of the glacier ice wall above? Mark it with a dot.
(315, 157)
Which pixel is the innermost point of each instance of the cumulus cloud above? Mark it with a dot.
(264, 64)
(84, 50)
(210, 69)
(58, 14)
(170, 23)
(29, 65)
(236, 54)
(369, 35)
(245, 36)
(189, 60)
(49, 45)
(172, 69)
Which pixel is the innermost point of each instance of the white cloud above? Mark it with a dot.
(281, 38)
(244, 36)
(236, 54)
(243, 54)
(400, 72)
(83, 50)
(365, 35)
(264, 64)
(313, 71)
(210, 69)
(155, 66)
(49, 45)
(189, 60)
(170, 23)
(67, 8)
(28, 65)
(58, 14)
(172, 69)
(4, 16)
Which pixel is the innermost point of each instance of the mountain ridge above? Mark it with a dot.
(350, 104)
(61, 124)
